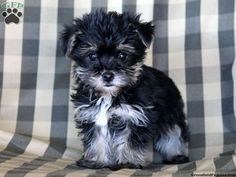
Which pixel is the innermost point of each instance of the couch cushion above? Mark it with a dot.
(194, 44)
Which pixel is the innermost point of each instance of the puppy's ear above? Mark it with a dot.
(145, 32)
(68, 39)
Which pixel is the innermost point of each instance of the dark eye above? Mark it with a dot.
(122, 56)
(93, 56)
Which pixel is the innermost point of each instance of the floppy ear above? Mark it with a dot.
(68, 39)
(145, 32)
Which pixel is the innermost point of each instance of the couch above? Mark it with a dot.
(194, 44)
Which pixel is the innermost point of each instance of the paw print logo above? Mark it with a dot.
(11, 16)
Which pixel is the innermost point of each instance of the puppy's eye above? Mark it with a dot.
(93, 56)
(122, 56)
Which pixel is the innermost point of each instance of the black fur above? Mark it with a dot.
(110, 42)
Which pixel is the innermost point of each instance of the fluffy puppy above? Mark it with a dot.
(121, 104)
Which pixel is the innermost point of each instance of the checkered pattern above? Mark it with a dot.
(194, 44)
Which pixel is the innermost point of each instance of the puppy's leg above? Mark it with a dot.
(96, 150)
(129, 158)
(172, 146)
(130, 152)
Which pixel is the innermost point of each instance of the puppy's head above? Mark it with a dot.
(108, 49)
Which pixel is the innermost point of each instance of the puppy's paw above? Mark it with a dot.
(177, 160)
(89, 164)
(125, 165)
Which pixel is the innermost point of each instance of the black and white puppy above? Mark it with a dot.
(121, 104)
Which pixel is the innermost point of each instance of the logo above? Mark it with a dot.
(12, 12)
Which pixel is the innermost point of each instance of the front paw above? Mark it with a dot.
(125, 165)
(89, 164)
(177, 160)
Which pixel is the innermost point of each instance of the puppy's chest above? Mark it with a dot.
(114, 117)
(108, 116)
(103, 106)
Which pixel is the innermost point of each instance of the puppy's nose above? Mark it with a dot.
(108, 76)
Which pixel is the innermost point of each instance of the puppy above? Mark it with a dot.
(121, 104)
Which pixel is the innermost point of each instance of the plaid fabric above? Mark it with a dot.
(194, 44)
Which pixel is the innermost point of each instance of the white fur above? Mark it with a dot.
(104, 103)
(102, 111)
(133, 113)
(124, 153)
(100, 146)
(125, 47)
(172, 144)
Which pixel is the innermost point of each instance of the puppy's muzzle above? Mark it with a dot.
(108, 76)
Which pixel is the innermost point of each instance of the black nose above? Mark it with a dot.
(108, 76)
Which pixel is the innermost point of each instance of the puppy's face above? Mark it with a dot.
(108, 49)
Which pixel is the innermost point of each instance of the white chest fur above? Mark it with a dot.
(103, 110)
(101, 119)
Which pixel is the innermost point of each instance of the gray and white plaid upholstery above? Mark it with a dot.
(194, 44)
